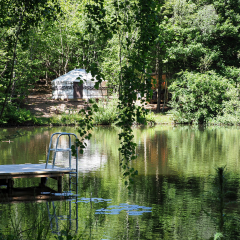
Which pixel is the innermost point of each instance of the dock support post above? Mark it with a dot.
(10, 183)
(43, 181)
(59, 179)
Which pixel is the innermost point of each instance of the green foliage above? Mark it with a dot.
(133, 25)
(113, 37)
(107, 111)
(230, 109)
(86, 125)
(70, 117)
(158, 118)
(7, 237)
(199, 97)
(18, 18)
(218, 236)
(195, 35)
(150, 118)
(17, 116)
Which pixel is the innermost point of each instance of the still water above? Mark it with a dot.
(174, 195)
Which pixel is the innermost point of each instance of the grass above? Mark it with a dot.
(159, 118)
(107, 112)
(100, 118)
(103, 118)
(163, 118)
(65, 119)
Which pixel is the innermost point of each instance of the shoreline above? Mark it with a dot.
(42, 110)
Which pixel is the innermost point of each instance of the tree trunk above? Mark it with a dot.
(159, 84)
(165, 94)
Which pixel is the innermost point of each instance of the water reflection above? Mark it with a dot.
(188, 151)
(130, 209)
(95, 200)
(169, 199)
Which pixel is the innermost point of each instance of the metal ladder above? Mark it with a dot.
(56, 149)
(70, 218)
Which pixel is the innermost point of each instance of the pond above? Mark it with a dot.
(174, 196)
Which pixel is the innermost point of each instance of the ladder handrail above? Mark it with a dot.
(55, 149)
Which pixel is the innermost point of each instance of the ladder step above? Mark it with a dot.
(61, 149)
(55, 149)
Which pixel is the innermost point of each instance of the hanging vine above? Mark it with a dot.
(134, 23)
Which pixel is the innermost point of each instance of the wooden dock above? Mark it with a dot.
(10, 172)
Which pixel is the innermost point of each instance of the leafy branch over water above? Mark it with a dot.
(134, 25)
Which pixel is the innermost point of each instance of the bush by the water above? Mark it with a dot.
(16, 116)
(202, 97)
(70, 117)
(107, 111)
(231, 110)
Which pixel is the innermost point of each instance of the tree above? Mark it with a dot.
(200, 36)
(199, 97)
(133, 25)
(17, 20)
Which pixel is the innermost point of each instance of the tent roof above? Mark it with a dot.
(73, 75)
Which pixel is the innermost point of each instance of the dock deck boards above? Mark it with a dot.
(27, 170)
(10, 172)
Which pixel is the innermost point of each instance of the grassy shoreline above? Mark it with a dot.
(106, 114)
(74, 118)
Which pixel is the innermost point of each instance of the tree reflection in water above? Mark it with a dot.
(176, 166)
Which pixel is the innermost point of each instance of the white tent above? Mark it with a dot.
(67, 86)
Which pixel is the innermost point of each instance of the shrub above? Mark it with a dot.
(13, 115)
(107, 111)
(150, 118)
(199, 97)
(231, 110)
(70, 117)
